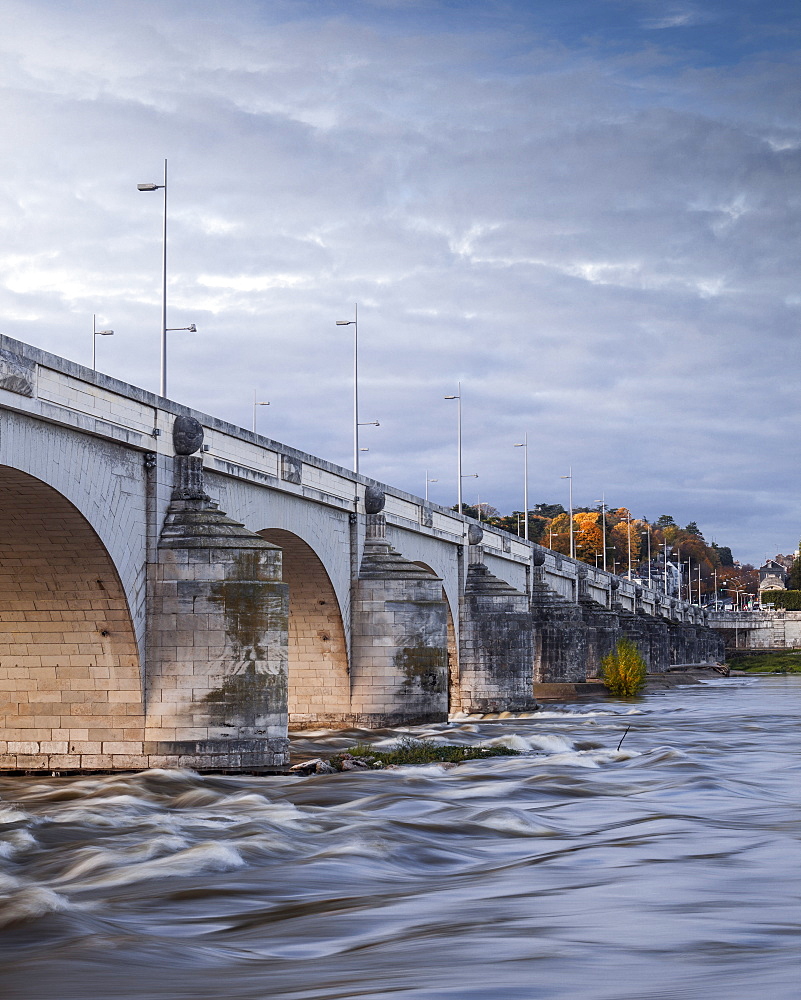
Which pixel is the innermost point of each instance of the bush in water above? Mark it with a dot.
(624, 670)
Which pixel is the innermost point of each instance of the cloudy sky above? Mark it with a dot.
(585, 210)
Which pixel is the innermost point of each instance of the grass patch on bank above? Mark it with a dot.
(767, 663)
(412, 751)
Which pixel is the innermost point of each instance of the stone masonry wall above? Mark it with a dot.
(217, 661)
(400, 638)
(497, 644)
(70, 688)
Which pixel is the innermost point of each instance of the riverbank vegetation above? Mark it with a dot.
(411, 751)
(767, 663)
(624, 670)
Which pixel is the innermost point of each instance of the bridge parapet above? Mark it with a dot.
(62, 392)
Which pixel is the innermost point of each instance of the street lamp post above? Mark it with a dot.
(569, 477)
(427, 482)
(95, 334)
(602, 502)
(355, 324)
(647, 534)
(629, 536)
(256, 403)
(458, 398)
(524, 446)
(164, 328)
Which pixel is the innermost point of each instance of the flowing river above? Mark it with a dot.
(669, 869)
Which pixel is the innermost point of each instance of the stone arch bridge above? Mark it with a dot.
(175, 590)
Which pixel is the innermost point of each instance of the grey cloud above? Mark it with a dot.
(601, 246)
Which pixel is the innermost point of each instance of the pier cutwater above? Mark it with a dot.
(175, 590)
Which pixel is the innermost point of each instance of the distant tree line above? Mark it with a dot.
(629, 538)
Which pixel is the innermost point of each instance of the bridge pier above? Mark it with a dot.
(399, 658)
(659, 638)
(560, 651)
(602, 627)
(497, 642)
(216, 691)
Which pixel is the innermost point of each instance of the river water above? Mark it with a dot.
(670, 869)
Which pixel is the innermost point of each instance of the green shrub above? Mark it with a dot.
(624, 670)
(790, 600)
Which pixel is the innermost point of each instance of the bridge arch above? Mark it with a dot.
(319, 678)
(68, 651)
(103, 480)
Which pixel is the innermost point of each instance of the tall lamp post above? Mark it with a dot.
(164, 329)
(95, 334)
(458, 398)
(256, 403)
(647, 534)
(629, 534)
(569, 477)
(355, 324)
(524, 446)
(427, 482)
(602, 502)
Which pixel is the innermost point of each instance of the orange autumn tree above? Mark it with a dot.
(625, 531)
(558, 534)
(588, 536)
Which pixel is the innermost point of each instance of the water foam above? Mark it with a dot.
(208, 856)
(30, 903)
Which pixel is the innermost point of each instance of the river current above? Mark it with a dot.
(668, 869)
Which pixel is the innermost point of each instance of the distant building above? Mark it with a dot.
(772, 576)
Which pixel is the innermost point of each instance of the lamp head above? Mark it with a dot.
(148, 187)
(345, 322)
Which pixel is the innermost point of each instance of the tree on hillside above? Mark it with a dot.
(693, 529)
(549, 510)
(731, 578)
(724, 553)
(558, 533)
(664, 521)
(588, 536)
(621, 536)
